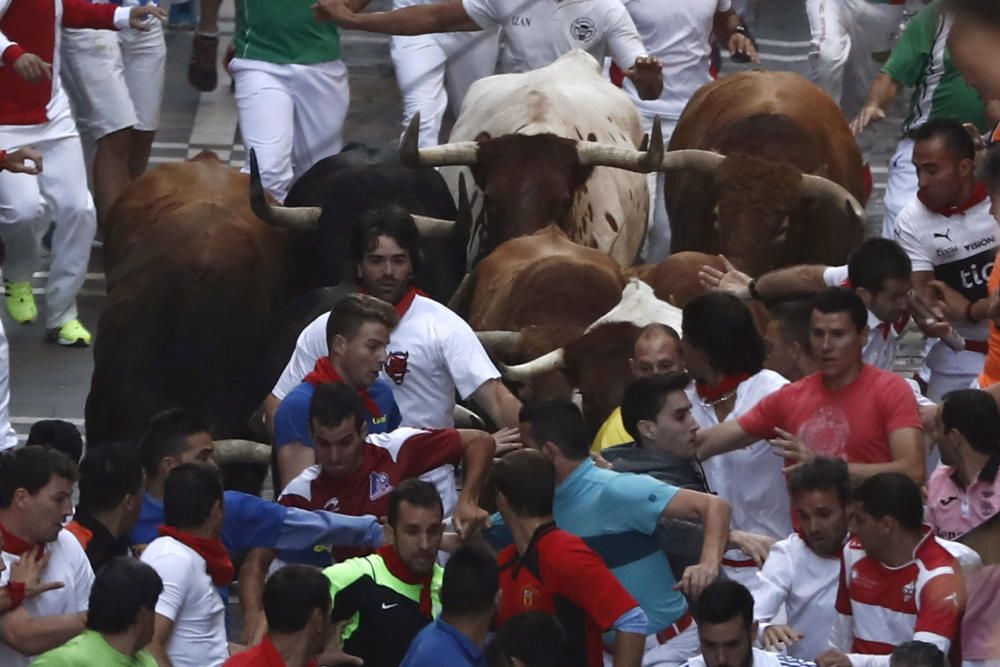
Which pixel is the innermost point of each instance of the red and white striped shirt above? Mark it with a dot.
(880, 607)
(32, 26)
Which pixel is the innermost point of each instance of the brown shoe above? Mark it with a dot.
(204, 55)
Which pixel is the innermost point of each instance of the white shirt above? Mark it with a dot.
(751, 479)
(68, 563)
(432, 354)
(192, 602)
(760, 659)
(960, 250)
(795, 576)
(535, 33)
(677, 32)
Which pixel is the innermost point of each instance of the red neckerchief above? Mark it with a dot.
(979, 194)
(398, 569)
(13, 544)
(217, 562)
(726, 385)
(403, 304)
(325, 373)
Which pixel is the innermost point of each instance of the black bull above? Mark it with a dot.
(205, 300)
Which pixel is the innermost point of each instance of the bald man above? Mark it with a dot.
(657, 351)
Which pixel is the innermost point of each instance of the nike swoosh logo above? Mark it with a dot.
(949, 501)
(389, 606)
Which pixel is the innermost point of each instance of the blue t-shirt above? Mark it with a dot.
(441, 644)
(291, 420)
(616, 514)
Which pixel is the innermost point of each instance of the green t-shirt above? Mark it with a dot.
(284, 32)
(90, 649)
(921, 60)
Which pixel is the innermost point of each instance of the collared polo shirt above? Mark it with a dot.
(441, 644)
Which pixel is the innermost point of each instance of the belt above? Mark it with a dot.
(980, 346)
(671, 631)
(747, 562)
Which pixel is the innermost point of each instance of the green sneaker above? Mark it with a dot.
(21, 302)
(71, 334)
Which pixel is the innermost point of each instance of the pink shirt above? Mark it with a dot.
(954, 510)
(852, 423)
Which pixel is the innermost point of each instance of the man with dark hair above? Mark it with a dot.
(952, 241)
(111, 489)
(968, 435)
(297, 606)
(897, 580)
(178, 436)
(357, 333)
(59, 435)
(878, 270)
(726, 630)
(545, 569)
(619, 513)
(916, 654)
(801, 571)
(469, 593)
(657, 351)
(531, 639)
(724, 353)
(119, 622)
(432, 354)
(190, 626)
(36, 498)
(787, 338)
(355, 471)
(389, 596)
(847, 410)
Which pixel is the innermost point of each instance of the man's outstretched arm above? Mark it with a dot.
(416, 20)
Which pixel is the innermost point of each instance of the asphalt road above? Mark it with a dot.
(51, 382)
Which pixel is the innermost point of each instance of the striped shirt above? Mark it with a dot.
(882, 607)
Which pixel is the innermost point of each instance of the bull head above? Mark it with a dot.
(754, 223)
(306, 218)
(517, 200)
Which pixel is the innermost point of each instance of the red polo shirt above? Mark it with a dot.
(262, 655)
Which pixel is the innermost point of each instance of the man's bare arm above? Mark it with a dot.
(880, 95)
(252, 575)
(163, 627)
(714, 514)
(725, 437)
(907, 447)
(415, 20)
(502, 406)
(293, 458)
(793, 281)
(479, 448)
(30, 635)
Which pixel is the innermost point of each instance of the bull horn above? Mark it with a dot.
(462, 295)
(593, 154)
(435, 228)
(500, 342)
(691, 158)
(242, 451)
(301, 218)
(411, 155)
(824, 188)
(552, 361)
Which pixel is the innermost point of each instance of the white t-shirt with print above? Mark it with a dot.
(67, 563)
(192, 602)
(960, 249)
(750, 479)
(677, 32)
(536, 32)
(432, 354)
(806, 584)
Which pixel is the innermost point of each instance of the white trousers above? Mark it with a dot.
(291, 115)
(433, 70)
(845, 34)
(28, 203)
(657, 244)
(673, 653)
(901, 186)
(8, 438)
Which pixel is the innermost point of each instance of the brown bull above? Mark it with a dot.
(192, 291)
(762, 167)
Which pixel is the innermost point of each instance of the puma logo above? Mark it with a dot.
(949, 501)
(946, 235)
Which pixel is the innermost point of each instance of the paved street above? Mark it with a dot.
(48, 381)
